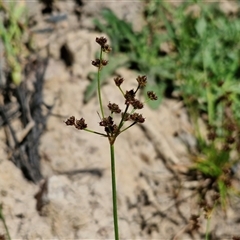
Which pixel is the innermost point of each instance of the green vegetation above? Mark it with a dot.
(13, 32)
(2, 218)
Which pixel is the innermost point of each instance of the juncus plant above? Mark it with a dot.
(111, 129)
(2, 218)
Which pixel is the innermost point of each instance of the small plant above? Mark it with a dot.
(218, 155)
(111, 129)
(13, 32)
(208, 209)
(2, 218)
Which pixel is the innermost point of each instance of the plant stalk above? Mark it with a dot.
(114, 192)
(4, 223)
(99, 85)
(207, 230)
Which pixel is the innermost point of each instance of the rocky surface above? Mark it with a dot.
(73, 201)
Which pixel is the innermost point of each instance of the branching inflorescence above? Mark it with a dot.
(111, 129)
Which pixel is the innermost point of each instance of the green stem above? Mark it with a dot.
(128, 127)
(91, 131)
(122, 120)
(114, 192)
(210, 105)
(210, 99)
(121, 91)
(4, 222)
(99, 85)
(208, 227)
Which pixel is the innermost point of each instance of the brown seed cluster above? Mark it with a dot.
(108, 123)
(102, 41)
(79, 124)
(114, 108)
(142, 81)
(152, 95)
(118, 81)
(136, 117)
(194, 223)
(129, 96)
(112, 130)
(137, 104)
(99, 63)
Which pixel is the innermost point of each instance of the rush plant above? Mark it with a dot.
(112, 129)
(13, 34)
(2, 218)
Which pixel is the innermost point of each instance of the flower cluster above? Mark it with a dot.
(79, 124)
(112, 130)
(99, 63)
(110, 127)
(102, 41)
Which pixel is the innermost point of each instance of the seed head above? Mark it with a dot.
(111, 129)
(80, 124)
(70, 121)
(104, 62)
(195, 224)
(142, 81)
(137, 104)
(114, 108)
(226, 147)
(129, 96)
(136, 117)
(106, 48)
(101, 41)
(97, 63)
(230, 126)
(230, 140)
(106, 122)
(152, 95)
(118, 81)
(212, 135)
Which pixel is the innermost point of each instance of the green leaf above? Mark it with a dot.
(209, 168)
(201, 26)
(18, 11)
(223, 193)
